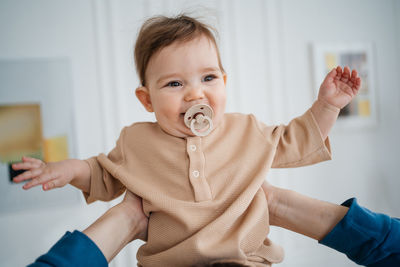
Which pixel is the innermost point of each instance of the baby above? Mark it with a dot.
(198, 170)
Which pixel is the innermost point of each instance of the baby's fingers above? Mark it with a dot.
(27, 175)
(338, 73)
(37, 181)
(52, 184)
(354, 75)
(346, 75)
(25, 158)
(25, 166)
(357, 85)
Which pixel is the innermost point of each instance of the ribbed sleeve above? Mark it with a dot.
(297, 144)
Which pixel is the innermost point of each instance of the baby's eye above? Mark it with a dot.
(174, 84)
(209, 78)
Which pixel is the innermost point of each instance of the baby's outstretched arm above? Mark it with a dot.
(336, 91)
(54, 174)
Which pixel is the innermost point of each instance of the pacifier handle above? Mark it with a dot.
(210, 126)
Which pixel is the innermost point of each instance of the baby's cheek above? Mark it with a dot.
(221, 101)
(169, 111)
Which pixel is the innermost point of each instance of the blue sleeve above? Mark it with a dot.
(366, 237)
(73, 249)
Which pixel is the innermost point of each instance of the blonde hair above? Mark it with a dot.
(161, 31)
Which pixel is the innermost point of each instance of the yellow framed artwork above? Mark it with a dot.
(21, 132)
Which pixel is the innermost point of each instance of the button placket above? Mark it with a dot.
(196, 169)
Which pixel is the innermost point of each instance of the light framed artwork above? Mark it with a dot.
(362, 110)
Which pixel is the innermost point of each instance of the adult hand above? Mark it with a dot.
(133, 206)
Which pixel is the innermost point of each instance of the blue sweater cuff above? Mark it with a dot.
(73, 249)
(364, 236)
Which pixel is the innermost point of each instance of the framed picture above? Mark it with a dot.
(362, 110)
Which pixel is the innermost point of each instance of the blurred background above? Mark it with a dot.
(71, 62)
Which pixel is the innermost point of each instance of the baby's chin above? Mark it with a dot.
(177, 132)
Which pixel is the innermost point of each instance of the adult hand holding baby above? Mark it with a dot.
(53, 174)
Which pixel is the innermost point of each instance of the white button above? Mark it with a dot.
(193, 147)
(196, 174)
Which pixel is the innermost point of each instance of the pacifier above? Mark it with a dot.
(199, 119)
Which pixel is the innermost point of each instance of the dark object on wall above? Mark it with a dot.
(12, 173)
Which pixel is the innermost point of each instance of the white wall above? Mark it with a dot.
(365, 161)
(265, 50)
(46, 30)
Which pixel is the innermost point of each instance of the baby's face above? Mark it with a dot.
(180, 76)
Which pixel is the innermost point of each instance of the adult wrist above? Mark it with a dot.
(134, 220)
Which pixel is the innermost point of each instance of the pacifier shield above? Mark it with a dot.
(198, 118)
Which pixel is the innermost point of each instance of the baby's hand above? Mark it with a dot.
(49, 175)
(339, 88)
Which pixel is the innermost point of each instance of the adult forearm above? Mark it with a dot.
(301, 214)
(81, 174)
(325, 116)
(121, 224)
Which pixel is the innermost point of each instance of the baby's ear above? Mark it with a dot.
(143, 94)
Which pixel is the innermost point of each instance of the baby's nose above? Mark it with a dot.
(194, 93)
